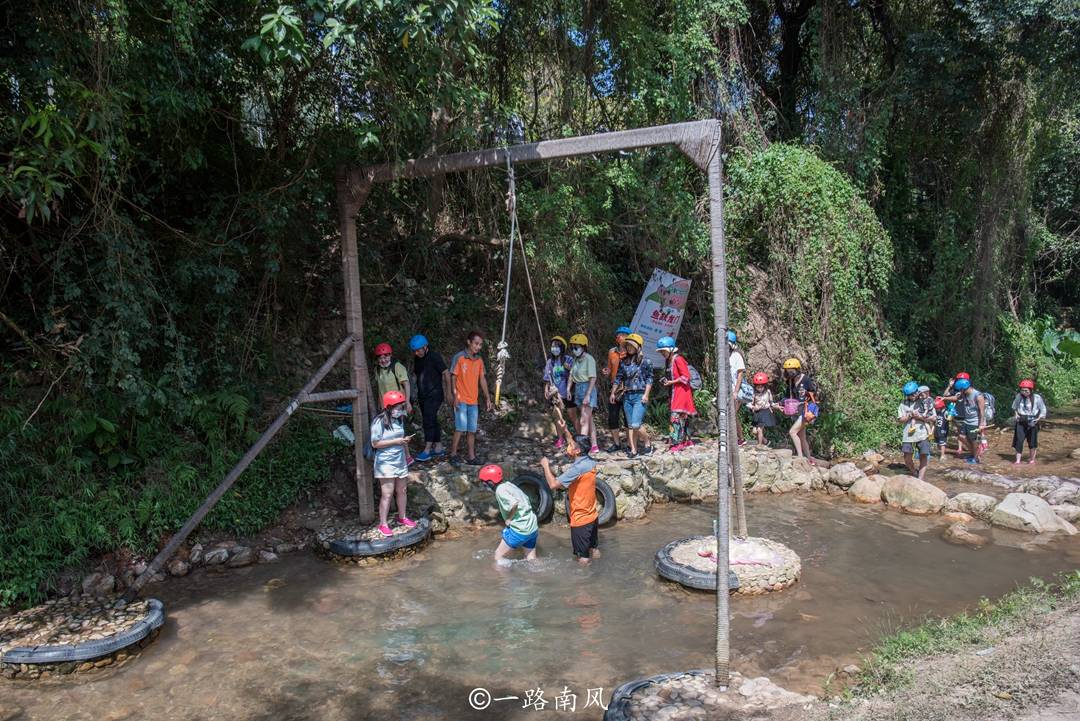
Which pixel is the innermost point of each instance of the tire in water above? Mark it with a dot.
(539, 494)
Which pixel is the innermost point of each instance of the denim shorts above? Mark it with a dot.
(579, 395)
(465, 416)
(634, 409)
(516, 540)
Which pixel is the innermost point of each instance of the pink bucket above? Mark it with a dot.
(791, 406)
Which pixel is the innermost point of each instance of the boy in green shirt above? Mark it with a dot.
(522, 528)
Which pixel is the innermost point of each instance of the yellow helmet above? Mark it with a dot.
(636, 339)
(792, 364)
(579, 339)
(560, 339)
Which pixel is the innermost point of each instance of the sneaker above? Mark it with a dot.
(646, 451)
(423, 456)
(455, 461)
(742, 442)
(1017, 463)
(474, 461)
(594, 449)
(971, 460)
(611, 449)
(385, 530)
(441, 453)
(632, 454)
(560, 442)
(1031, 462)
(403, 520)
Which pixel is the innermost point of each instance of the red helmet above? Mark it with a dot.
(392, 398)
(491, 473)
(962, 376)
(939, 403)
(760, 379)
(383, 349)
(1027, 383)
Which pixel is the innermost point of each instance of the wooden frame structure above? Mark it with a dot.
(699, 141)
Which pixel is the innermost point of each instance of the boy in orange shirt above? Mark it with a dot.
(616, 418)
(468, 379)
(579, 480)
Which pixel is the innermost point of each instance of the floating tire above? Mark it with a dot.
(687, 576)
(352, 547)
(605, 503)
(536, 488)
(618, 706)
(88, 650)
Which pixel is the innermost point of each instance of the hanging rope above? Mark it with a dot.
(503, 354)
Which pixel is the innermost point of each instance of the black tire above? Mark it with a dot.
(617, 711)
(605, 499)
(90, 649)
(345, 547)
(689, 577)
(536, 488)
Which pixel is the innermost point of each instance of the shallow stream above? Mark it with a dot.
(306, 639)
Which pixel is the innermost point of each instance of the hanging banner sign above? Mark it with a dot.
(660, 311)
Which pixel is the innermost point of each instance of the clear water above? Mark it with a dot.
(304, 639)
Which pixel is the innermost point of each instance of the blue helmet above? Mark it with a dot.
(731, 337)
(666, 342)
(417, 342)
(962, 385)
(911, 388)
(624, 330)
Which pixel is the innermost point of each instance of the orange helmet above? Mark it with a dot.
(1027, 383)
(760, 379)
(392, 398)
(491, 473)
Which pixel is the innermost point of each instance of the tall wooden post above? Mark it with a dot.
(736, 478)
(354, 323)
(723, 408)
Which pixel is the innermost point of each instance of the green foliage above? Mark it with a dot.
(1041, 352)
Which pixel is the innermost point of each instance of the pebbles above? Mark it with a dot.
(760, 564)
(694, 696)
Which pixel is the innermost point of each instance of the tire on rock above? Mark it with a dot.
(379, 546)
(690, 577)
(536, 488)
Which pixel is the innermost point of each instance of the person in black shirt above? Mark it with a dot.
(801, 388)
(432, 387)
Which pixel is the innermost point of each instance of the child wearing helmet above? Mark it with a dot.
(1029, 410)
(677, 378)
(388, 441)
(616, 418)
(557, 386)
(971, 409)
(432, 388)
(801, 388)
(390, 375)
(522, 528)
(737, 367)
(941, 425)
(912, 415)
(583, 386)
(579, 480)
(762, 407)
(634, 383)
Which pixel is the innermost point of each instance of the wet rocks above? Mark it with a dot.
(178, 567)
(1028, 512)
(845, 475)
(1067, 511)
(216, 556)
(195, 555)
(98, 584)
(240, 556)
(695, 696)
(1075, 454)
(975, 504)
(911, 495)
(960, 535)
(867, 489)
(267, 557)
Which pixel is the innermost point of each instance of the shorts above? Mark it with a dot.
(516, 540)
(923, 446)
(634, 409)
(616, 419)
(569, 403)
(941, 435)
(764, 419)
(584, 538)
(465, 417)
(971, 433)
(579, 395)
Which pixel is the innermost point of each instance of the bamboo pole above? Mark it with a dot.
(723, 406)
(736, 476)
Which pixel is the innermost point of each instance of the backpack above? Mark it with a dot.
(990, 406)
(695, 377)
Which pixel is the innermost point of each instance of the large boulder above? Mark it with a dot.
(845, 475)
(1067, 492)
(911, 495)
(1027, 512)
(867, 489)
(976, 504)
(1067, 511)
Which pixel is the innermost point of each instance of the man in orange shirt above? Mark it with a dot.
(579, 480)
(469, 378)
(616, 417)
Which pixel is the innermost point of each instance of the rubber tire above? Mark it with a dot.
(607, 510)
(689, 577)
(620, 697)
(529, 480)
(379, 546)
(90, 649)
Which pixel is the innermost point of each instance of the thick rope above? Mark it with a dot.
(503, 354)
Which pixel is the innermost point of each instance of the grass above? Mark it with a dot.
(889, 665)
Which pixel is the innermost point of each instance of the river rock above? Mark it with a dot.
(216, 556)
(957, 516)
(196, 556)
(241, 556)
(1075, 454)
(267, 557)
(959, 534)
(867, 489)
(1066, 492)
(845, 475)
(1067, 511)
(1027, 512)
(976, 504)
(98, 584)
(178, 567)
(911, 495)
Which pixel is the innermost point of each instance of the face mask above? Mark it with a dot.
(555, 350)
(384, 362)
(578, 351)
(397, 413)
